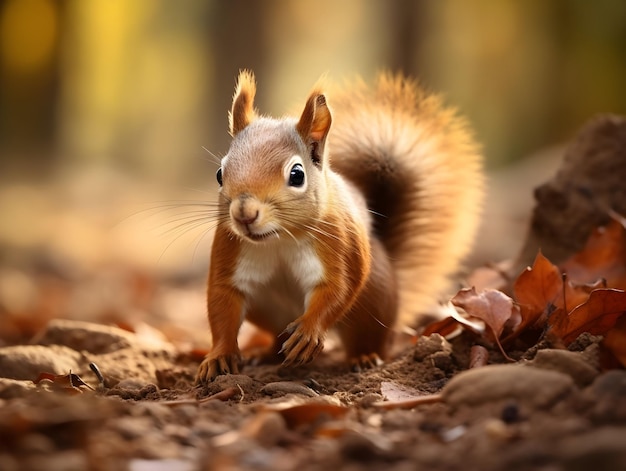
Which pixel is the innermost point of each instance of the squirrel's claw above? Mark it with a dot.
(211, 367)
(301, 347)
(365, 362)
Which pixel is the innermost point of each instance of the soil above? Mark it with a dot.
(552, 409)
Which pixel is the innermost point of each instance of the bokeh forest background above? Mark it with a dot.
(112, 113)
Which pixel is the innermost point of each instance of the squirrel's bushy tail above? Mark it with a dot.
(421, 171)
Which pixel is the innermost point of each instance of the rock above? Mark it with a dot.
(597, 449)
(126, 364)
(572, 204)
(534, 387)
(573, 364)
(430, 345)
(11, 388)
(607, 395)
(96, 338)
(27, 362)
(280, 388)
(268, 428)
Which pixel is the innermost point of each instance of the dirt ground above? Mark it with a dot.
(551, 410)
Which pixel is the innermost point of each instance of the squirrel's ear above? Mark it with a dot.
(315, 120)
(242, 112)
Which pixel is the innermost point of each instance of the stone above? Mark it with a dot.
(534, 387)
(573, 364)
(27, 362)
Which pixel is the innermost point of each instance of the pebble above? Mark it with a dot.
(27, 362)
(427, 346)
(607, 394)
(96, 338)
(573, 364)
(534, 387)
(13, 388)
(288, 387)
(599, 449)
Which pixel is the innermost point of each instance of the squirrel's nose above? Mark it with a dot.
(246, 219)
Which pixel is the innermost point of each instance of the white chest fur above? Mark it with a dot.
(277, 279)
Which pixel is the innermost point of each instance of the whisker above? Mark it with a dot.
(185, 230)
(376, 213)
(290, 234)
(215, 159)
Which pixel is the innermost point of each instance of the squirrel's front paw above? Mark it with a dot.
(303, 345)
(212, 366)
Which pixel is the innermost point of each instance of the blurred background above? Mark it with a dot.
(112, 113)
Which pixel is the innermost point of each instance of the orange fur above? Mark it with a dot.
(344, 217)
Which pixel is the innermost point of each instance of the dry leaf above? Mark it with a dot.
(298, 411)
(615, 340)
(597, 315)
(70, 383)
(311, 413)
(493, 307)
(445, 327)
(604, 256)
(536, 291)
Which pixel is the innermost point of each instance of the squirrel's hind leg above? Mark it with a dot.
(366, 330)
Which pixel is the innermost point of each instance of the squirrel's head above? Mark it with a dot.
(273, 178)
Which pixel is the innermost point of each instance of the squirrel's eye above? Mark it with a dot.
(296, 175)
(218, 176)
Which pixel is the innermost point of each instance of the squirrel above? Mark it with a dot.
(352, 219)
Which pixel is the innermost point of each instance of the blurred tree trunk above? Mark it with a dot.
(238, 36)
(406, 26)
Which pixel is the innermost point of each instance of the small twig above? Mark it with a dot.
(241, 392)
(409, 403)
(96, 371)
(479, 356)
(223, 395)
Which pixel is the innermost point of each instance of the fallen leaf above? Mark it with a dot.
(71, 382)
(445, 327)
(597, 315)
(615, 340)
(311, 413)
(493, 307)
(604, 256)
(536, 291)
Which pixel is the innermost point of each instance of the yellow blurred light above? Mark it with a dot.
(28, 32)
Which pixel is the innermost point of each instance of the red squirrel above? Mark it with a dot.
(351, 216)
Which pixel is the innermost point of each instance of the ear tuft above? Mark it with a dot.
(242, 112)
(315, 120)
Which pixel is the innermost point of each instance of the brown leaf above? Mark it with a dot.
(493, 307)
(455, 319)
(70, 382)
(444, 327)
(615, 340)
(536, 290)
(597, 315)
(604, 256)
(311, 413)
